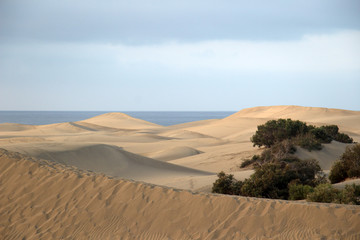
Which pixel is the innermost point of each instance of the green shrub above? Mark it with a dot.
(309, 137)
(248, 162)
(271, 180)
(277, 130)
(338, 172)
(331, 130)
(299, 191)
(308, 142)
(350, 195)
(327, 193)
(323, 193)
(348, 166)
(224, 184)
(321, 135)
(341, 137)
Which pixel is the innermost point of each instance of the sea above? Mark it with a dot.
(162, 117)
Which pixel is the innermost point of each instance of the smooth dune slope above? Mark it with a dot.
(110, 160)
(210, 145)
(119, 120)
(43, 200)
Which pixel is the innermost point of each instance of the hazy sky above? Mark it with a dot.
(178, 55)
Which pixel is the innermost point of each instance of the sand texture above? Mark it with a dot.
(48, 201)
(117, 177)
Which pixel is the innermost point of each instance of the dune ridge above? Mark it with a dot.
(70, 182)
(41, 200)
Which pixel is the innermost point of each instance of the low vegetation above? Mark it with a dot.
(272, 180)
(279, 174)
(348, 166)
(306, 136)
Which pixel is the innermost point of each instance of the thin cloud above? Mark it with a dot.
(313, 53)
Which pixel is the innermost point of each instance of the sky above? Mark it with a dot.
(179, 55)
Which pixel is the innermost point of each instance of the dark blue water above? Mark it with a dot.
(48, 117)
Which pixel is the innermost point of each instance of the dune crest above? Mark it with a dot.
(41, 200)
(284, 111)
(120, 120)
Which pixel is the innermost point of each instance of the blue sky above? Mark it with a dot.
(178, 55)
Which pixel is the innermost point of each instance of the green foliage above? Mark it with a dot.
(321, 135)
(248, 162)
(225, 184)
(350, 195)
(324, 193)
(327, 193)
(308, 137)
(348, 166)
(338, 172)
(330, 130)
(299, 191)
(271, 180)
(277, 130)
(282, 151)
(308, 142)
(341, 137)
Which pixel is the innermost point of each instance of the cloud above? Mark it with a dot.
(159, 21)
(313, 53)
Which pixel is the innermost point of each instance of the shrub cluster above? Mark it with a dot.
(279, 174)
(281, 151)
(327, 193)
(271, 180)
(308, 137)
(348, 166)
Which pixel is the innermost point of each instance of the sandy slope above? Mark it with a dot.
(210, 145)
(185, 156)
(40, 200)
(119, 120)
(110, 160)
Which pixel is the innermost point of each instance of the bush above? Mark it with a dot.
(308, 142)
(348, 166)
(271, 180)
(225, 184)
(350, 195)
(309, 137)
(299, 191)
(327, 193)
(338, 172)
(323, 193)
(341, 137)
(321, 135)
(248, 162)
(331, 130)
(277, 130)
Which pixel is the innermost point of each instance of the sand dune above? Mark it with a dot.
(110, 160)
(119, 120)
(185, 134)
(326, 157)
(173, 153)
(9, 127)
(44, 201)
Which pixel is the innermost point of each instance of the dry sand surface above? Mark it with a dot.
(63, 191)
(43, 200)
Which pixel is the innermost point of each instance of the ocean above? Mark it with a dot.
(161, 117)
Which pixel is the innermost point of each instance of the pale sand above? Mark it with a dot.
(41, 200)
(184, 156)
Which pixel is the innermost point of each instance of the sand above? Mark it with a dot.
(117, 177)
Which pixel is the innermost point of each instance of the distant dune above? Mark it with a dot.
(53, 195)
